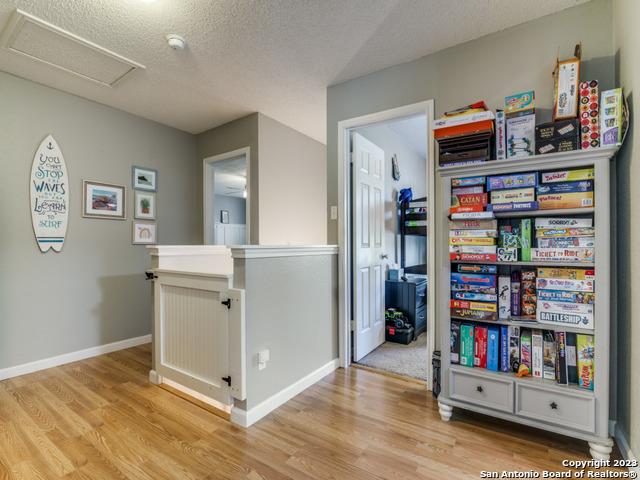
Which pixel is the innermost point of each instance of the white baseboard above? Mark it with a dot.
(625, 449)
(51, 362)
(246, 419)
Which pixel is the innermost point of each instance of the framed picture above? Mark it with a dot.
(224, 216)
(145, 179)
(145, 233)
(145, 206)
(103, 200)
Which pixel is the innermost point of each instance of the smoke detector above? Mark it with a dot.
(176, 41)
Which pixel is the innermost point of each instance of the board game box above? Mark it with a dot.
(569, 242)
(521, 136)
(575, 254)
(553, 201)
(489, 249)
(572, 358)
(501, 135)
(611, 117)
(565, 232)
(513, 195)
(569, 273)
(466, 345)
(566, 187)
(467, 181)
(466, 314)
(562, 296)
(514, 347)
(509, 254)
(567, 319)
(537, 359)
(473, 257)
(589, 115)
(525, 347)
(463, 268)
(504, 297)
(517, 180)
(565, 284)
(549, 354)
(513, 207)
(474, 233)
(475, 297)
(585, 349)
(493, 348)
(567, 175)
(473, 224)
(486, 241)
(559, 222)
(480, 346)
(455, 342)
(471, 305)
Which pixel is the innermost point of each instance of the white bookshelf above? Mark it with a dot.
(563, 409)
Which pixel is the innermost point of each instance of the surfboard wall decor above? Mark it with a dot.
(49, 196)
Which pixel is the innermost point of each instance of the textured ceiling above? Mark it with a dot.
(272, 56)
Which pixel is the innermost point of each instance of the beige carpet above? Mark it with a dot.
(409, 360)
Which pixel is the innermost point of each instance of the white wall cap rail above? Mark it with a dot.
(272, 251)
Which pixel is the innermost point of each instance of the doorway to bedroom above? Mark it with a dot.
(226, 199)
(389, 246)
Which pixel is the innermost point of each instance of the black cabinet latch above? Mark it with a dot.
(150, 275)
(227, 302)
(227, 380)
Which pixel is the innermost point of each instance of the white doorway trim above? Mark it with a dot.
(208, 190)
(344, 230)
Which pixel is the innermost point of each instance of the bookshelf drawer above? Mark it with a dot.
(574, 410)
(480, 390)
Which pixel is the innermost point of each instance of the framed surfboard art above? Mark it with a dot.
(49, 191)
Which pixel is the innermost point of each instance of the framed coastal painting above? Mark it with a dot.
(145, 206)
(144, 179)
(103, 200)
(145, 233)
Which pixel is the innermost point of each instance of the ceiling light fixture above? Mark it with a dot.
(176, 41)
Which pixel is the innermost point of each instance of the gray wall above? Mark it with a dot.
(237, 208)
(226, 138)
(627, 39)
(300, 328)
(93, 292)
(287, 178)
(293, 186)
(413, 173)
(510, 61)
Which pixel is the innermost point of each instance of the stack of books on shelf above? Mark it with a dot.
(469, 200)
(514, 192)
(464, 135)
(415, 217)
(474, 292)
(566, 297)
(473, 240)
(564, 239)
(566, 189)
(564, 357)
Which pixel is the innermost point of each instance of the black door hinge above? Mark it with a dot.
(227, 302)
(227, 380)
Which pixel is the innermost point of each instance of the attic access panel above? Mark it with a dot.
(48, 44)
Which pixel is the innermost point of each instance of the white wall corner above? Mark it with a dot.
(65, 358)
(245, 418)
(625, 448)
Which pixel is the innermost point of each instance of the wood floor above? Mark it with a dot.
(101, 419)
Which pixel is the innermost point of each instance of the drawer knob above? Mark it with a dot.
(479, 388)
(553, 405)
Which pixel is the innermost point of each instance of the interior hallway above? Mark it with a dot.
(100, 418)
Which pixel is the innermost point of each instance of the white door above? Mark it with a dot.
(368, 242)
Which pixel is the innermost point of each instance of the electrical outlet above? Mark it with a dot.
(263, 358)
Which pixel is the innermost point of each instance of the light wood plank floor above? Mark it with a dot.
(101, 419)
